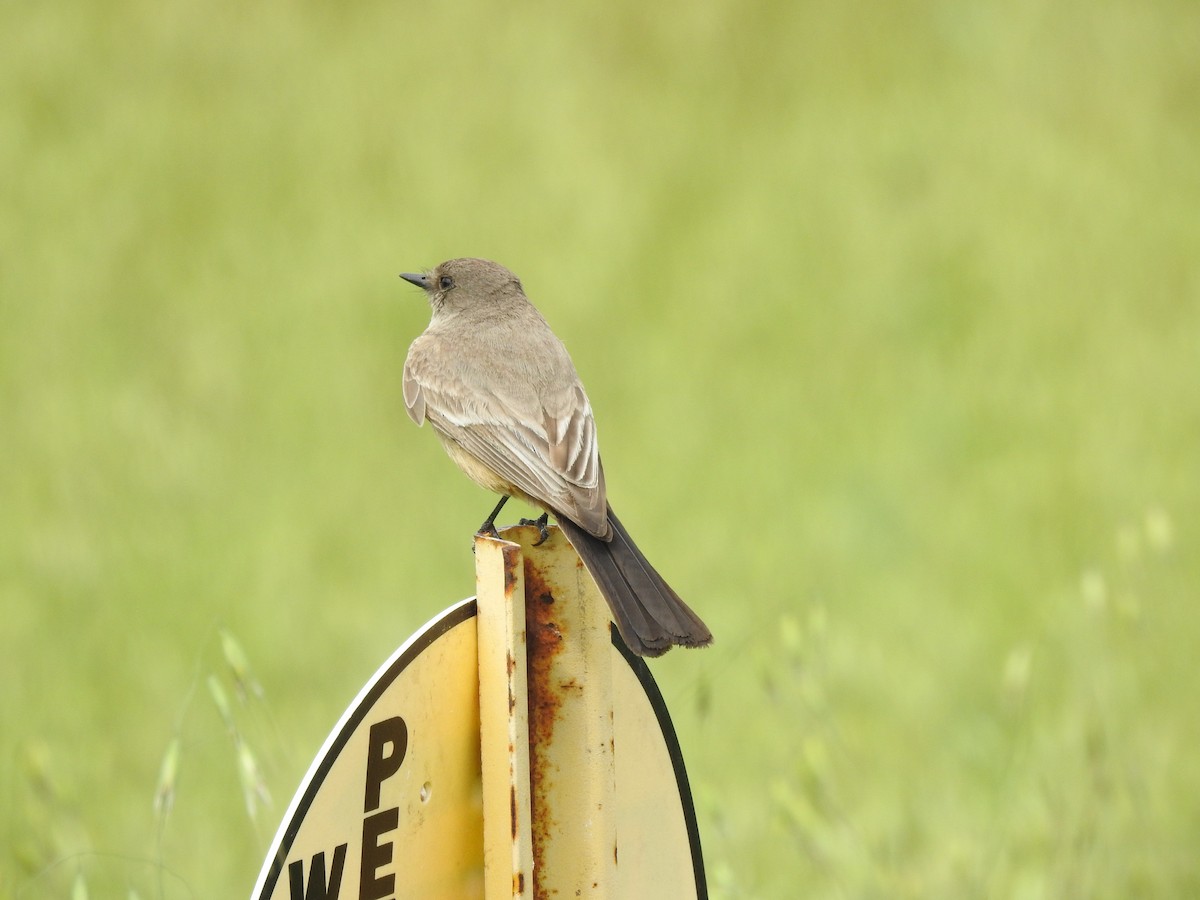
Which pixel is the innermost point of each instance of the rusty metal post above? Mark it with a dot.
(571, 753)
(566, 652)
(503, 720)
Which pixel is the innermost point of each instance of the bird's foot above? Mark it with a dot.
(487, 529)
(541, 523)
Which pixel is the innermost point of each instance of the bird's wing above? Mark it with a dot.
(543, 441)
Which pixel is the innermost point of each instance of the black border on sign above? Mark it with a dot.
(456, 616)
(659, 705)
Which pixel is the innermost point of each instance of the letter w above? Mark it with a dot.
(318, 888)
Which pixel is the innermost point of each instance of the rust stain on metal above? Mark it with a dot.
(512, 697)
(518, 884)
(545, 643)
(512, 810)
(511, 554)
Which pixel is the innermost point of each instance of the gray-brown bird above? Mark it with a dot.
(503, 397)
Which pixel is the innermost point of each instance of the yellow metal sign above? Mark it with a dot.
(391, 807)
(579, 789)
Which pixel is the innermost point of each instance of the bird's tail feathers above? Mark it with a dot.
(649, 614)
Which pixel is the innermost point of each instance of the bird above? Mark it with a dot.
(502, 395)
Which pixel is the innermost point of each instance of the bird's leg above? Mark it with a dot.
(489, 524)
(541, 522)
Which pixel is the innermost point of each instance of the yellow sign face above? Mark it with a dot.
(392, 806)
(660, 840)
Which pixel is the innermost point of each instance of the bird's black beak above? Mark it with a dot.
(421, 281)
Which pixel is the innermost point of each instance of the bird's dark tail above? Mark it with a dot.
(649, 615)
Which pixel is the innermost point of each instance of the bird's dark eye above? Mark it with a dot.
(445, 282)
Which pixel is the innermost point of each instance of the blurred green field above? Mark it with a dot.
(891, 318)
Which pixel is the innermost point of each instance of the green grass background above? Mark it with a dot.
(890, 314)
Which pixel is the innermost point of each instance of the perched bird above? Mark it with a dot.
(503, 397)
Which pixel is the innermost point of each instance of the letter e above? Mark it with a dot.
(375, 855)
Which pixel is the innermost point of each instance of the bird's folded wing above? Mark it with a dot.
(543, 442)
